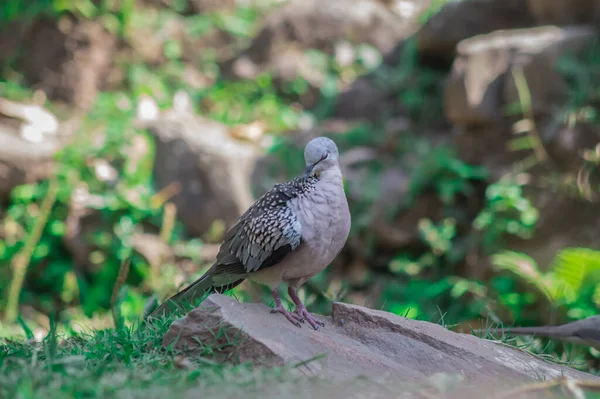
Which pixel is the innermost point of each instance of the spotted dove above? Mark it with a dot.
(288, 235)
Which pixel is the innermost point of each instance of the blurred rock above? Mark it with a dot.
(394, 225)
(472, 95)
(35, 122)
(280, 47)
(204, 170)
(567, 143)
(486, 145)
(30, 136)
(459, 20)
(319, 25)
(537, 52)
(365, 100)
(482, 81)
(356, 342)
(66, 58)
(147, 45)
(565, 12)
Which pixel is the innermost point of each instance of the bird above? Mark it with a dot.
(582, 332)
(290, 234)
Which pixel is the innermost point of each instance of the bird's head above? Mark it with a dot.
(320, 154)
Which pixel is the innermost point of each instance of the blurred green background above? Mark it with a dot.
(467, 213)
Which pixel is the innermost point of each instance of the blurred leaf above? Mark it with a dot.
(577, 267)
(523, 266)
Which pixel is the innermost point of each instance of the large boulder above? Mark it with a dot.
(356, 341)
(565, 12)
(320, 25)
(69, 59)
(459, 20)
(202, 168)
(482, 82)
(334, 27)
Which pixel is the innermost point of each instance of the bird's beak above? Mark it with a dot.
(308, 169)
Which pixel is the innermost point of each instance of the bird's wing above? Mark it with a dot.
(267, 232)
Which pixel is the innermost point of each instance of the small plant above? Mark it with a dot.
(570, 284)
(506, 211)
(441, 170)
(419, 88)
(121, 202)
(114, 14)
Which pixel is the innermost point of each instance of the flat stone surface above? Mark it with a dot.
(356, 341)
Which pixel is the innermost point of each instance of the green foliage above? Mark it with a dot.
(440, 169)
(115, 14)
(419, 88)
(577, 268)
(507, 211)
(120, 206)
(570, 284)
(121, 363)
(109, 166)
(439, 242)
(246, 101)
(583, 79)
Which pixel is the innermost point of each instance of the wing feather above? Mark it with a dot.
(265, 234)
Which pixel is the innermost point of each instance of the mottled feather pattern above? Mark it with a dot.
(269, 227)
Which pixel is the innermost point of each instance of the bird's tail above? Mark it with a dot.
(188, 296)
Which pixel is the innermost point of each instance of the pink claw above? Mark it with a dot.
(304, 315)
(301, 310)
(292, 317)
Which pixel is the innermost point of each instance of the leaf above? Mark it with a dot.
(577, 267)
(25, 327)
(523, 266)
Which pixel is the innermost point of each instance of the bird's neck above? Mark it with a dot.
(332, 175)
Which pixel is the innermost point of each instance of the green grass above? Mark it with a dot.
(128, 363)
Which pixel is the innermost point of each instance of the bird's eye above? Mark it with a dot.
(324, 156)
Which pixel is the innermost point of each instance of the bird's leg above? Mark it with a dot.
(293, 318)
(301, 310)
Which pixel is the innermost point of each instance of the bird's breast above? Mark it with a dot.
(324, 216)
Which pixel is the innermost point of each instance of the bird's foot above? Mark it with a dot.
(301, 312)
(293, 318)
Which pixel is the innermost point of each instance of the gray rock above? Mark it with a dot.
(565, 12)
(355, 341)
(333, 27)
(319, 25)
(69, 60)
(459, 20)
(482, 83)
(207, 170)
